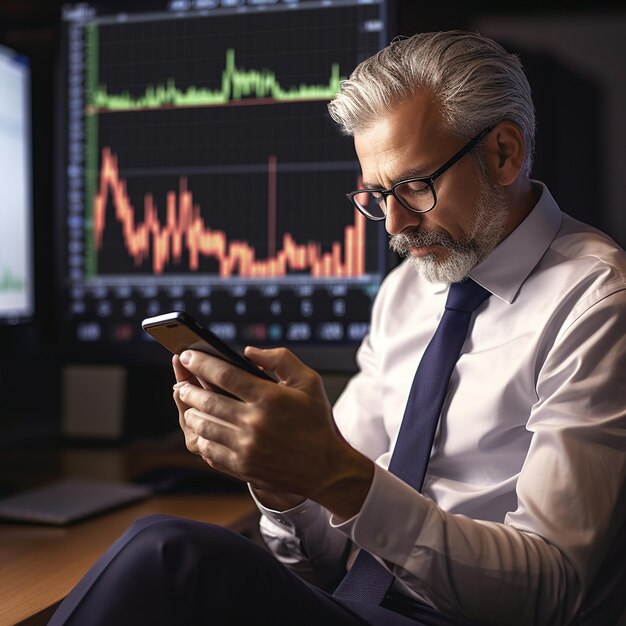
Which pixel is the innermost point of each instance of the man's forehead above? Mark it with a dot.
(402, 143)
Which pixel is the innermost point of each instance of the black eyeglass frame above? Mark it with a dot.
(429, 180)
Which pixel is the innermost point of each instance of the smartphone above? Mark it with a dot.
(178, 331)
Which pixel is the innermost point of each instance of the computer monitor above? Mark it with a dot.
(202, 172)
(16, 233)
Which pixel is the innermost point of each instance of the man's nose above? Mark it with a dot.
(398, 217)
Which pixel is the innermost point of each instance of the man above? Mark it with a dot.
(520, 515)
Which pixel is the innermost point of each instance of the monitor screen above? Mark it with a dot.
(202, 172)
(16, 236)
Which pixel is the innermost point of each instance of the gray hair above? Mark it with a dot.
(475, 80)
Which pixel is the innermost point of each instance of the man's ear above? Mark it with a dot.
(504, 153)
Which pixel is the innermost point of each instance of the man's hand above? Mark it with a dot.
(279, 437)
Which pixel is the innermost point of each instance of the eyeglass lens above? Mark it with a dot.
(415, 195)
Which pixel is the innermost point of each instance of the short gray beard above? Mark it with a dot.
(485, 234)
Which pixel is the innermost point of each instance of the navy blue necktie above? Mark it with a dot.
(368, 581)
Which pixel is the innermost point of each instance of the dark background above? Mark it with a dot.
(577, 77)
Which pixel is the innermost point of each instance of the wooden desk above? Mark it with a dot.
(39, 565)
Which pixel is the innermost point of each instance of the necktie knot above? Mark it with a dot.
(466, 296)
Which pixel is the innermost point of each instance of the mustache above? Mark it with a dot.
(418, 238)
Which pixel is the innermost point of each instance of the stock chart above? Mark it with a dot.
(205, 174)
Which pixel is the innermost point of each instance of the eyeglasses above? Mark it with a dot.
(415, 194)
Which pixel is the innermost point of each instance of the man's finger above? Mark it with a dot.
(218, 456)
(182, 374)
(285, 364)
(212, 428)
(223, 375)
(212, 403)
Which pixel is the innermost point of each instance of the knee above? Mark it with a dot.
(177, 528)
(175, 539)
(155, 521)
(147, 521)
(154, 530)
(173, 548)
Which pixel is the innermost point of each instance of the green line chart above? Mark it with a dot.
(236, 86)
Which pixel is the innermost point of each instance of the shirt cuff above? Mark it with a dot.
(392, 537)
(297, 518)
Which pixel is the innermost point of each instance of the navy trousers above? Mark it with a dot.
(169, 571)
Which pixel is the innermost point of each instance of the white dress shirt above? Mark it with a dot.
(523, 510)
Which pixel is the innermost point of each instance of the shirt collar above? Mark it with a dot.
(509, 264)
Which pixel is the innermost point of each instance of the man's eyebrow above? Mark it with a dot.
(412, 173)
